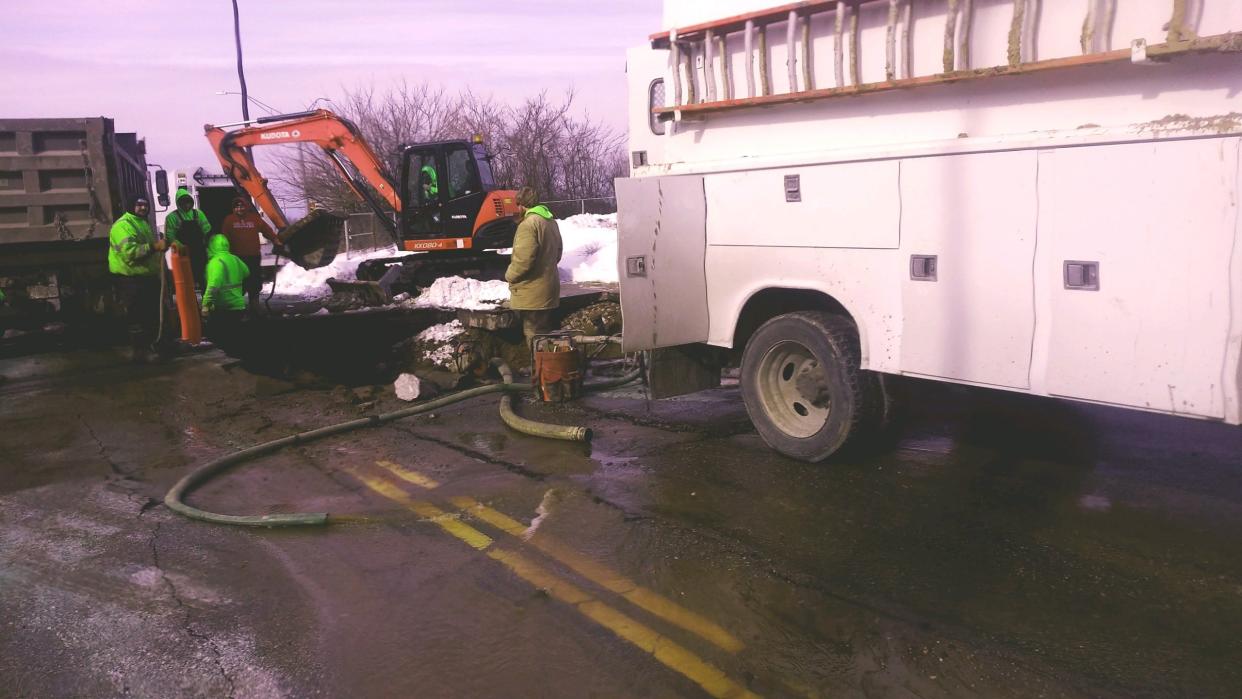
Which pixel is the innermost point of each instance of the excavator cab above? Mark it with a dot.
(445, 199)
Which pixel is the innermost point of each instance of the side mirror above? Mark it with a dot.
(161, 187)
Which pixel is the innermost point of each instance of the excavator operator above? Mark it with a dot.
(431, 186)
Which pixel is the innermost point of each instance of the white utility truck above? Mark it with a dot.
(1031, 195)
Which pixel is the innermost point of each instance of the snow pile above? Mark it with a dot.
(292, 280)
(436, 344)
(589, 243)
(441, 333)
(458, 292)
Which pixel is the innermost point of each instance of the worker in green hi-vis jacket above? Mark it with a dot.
(134, 260)
(224, 300)
(189, 227)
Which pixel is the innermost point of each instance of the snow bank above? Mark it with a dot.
(589, 243)
(458, 292)
(589, 255)
(292, 280)
(441, 333)
(437, 344)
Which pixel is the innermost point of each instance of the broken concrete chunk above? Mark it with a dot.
(408, 386)
(437, 381)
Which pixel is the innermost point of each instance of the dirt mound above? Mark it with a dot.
(603, 318)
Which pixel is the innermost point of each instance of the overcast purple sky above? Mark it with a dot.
(156, 66)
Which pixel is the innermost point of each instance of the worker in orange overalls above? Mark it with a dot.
(242, 228)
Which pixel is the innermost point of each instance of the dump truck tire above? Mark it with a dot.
(803, 386)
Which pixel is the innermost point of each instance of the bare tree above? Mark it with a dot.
(536, 143)
(489, 119)
(536, 140)
(589, 162)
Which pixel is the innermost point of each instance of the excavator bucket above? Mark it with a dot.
(313, 240)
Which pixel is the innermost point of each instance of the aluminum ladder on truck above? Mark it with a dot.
(698, 93)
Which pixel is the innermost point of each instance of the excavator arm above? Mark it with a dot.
(338, 137)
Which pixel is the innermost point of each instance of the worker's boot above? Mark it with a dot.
(139, 348)
(140, 355)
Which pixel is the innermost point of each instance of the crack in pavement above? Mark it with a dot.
(103, 451)
(147, 504)
(200, 637)
(595, 497)
(477, 455)
(731, 428)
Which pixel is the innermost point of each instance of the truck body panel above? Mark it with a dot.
(677, 291)
(62, 184)
(1081, 224)
(63, 179)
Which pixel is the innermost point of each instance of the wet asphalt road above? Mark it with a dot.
(996, 545)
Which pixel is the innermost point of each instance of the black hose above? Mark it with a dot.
(606, 384)
(267, 302)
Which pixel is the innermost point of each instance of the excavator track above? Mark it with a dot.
(423, 269)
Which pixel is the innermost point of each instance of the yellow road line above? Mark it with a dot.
(641, 597)
(408, 475)
(445, 521)
(669, 653)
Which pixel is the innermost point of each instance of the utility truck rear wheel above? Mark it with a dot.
(803, 387)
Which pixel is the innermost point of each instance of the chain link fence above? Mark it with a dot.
(564, 208)
(364, 232)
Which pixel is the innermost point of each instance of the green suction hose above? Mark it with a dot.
(568, 433)
(175, 497)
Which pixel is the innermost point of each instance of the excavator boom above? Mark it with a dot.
(339, 139)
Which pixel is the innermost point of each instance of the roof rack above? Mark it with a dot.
(708, 38)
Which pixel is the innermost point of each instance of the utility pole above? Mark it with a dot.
(241, 72)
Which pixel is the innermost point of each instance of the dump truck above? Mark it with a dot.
(1030, 197)
(62, 184)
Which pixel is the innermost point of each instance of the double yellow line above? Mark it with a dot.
(662, 648)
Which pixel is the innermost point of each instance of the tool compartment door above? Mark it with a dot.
(1160, 222)
(662, 240)
(973, 317)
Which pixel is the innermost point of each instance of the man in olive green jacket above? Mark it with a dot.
(134, 260)
(534, 281)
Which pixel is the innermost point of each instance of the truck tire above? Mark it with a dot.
(803, 387)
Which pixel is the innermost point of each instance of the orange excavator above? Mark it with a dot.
(447, 203)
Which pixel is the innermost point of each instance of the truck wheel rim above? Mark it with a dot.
(794, 389)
